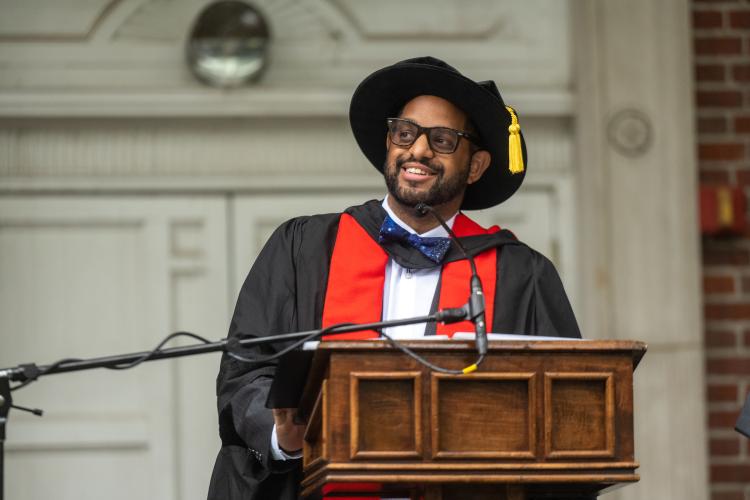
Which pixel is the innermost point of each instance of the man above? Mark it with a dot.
(438, 138)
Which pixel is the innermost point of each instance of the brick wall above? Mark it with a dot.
(721, 35)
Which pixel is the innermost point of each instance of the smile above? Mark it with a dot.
(417, 169)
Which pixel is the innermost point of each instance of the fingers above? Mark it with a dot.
(282, 415)
(290, 434)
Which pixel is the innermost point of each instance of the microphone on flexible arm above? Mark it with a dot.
(475, 306)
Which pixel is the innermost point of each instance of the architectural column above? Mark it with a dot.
(639, 244)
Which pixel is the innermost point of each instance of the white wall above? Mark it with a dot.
(132, 200)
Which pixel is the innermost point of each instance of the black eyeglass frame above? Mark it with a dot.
(426, 131)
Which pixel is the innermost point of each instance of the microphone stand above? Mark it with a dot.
(5, 402)
(30, 371)
(475, 306)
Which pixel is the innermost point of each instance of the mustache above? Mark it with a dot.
(435, 166)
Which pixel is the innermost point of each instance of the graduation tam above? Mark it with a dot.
(382, 95)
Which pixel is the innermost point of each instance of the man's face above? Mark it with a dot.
(416, 174)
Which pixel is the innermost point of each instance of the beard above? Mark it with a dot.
(443, 190)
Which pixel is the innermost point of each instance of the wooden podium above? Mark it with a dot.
(539, 419)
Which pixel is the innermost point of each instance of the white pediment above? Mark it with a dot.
(459, 20)
(127, 57)
(40, 20)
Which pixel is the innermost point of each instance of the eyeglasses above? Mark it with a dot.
(441, 139)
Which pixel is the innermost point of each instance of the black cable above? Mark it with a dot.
(289, 348)
(391, 340)
(476, 305)
(156, 350)
(132, 364)
(42, 372)
(243, 359)
(429, 365)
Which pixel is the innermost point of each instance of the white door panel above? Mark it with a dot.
(92, 276)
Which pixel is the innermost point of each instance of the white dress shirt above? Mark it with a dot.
(406, 293)
(410, 292)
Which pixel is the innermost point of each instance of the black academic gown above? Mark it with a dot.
(285, 292)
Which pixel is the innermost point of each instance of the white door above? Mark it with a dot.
(92, 276)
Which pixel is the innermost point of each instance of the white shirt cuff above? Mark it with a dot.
(276, 452)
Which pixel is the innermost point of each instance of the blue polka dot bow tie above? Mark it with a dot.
(432, 248)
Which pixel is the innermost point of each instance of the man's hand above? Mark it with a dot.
(289, 434)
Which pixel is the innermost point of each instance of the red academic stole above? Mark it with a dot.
(355, 294)
(357, 275)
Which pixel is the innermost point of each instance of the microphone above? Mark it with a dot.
(475, 306)
(451, 315)
(423, 209)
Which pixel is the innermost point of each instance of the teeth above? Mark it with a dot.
(414, 170)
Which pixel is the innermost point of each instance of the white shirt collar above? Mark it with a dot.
(438, 232)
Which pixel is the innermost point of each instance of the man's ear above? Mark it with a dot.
(479, 163)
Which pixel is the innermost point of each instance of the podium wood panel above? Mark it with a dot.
(579, 422)
(377, 402)
(497, 403)
(537, 418)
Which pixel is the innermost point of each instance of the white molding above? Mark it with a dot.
(187, 185)
(209, 103)
(261, 184)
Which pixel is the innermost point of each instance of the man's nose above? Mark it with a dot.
(421, 147)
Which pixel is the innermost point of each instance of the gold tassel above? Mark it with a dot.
(515, 152)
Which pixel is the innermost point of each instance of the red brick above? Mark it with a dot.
(743, 177)
(722, 419)
(705, 19)
(718, 98)
(739, 19)
(718, 284)
(725, 256)
(722, 392)
(729, 151)
(728, 366)
(720, 338)
(730, 473)
(741, 72)
(746, 340)
(710, 73)
(713, 125)
(724, 447)
(742, 124)
(718, 45)
(728, 495)
(727, 311)
(714, 177)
